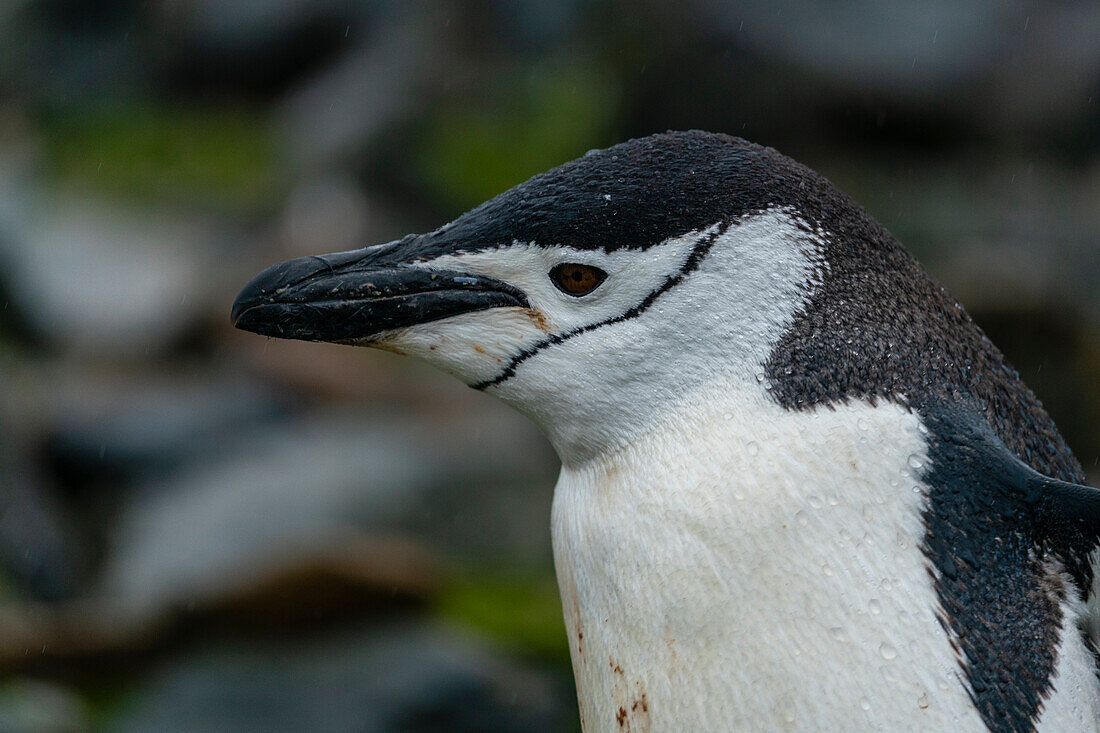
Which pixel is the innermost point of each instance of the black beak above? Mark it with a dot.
(350, 296)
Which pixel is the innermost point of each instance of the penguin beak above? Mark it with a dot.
(354, 296)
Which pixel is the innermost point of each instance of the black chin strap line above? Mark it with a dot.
(695, 257)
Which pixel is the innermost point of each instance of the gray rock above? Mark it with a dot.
(236, 26)
(396, 678)
(904, 46)
(328, 214)
(1023, 66)
(9, 9)
(38, 548)
(336, 113)
(34, 706)
(37, 545)
(153, 423)
(95, 279)
(996, 233)
(275, 494)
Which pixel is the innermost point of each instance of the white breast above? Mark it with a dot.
(751, 568)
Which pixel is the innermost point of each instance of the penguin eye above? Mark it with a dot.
(575, 279)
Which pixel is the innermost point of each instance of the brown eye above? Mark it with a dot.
(574, 279)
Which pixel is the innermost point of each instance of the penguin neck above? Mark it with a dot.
(739, 530)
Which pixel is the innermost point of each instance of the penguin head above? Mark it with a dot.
(595, 297)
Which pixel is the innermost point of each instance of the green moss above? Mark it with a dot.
(107, 702)
(221, 156)
(521, 612)
(467, 154)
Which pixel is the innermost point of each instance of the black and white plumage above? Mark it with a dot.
(800, 488)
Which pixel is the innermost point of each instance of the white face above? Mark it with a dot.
(597, 369)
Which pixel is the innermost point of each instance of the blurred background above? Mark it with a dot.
(201, 529)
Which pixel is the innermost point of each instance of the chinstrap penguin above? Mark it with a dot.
(800, 488)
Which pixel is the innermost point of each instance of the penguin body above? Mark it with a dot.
(800, 488)
(756, 600)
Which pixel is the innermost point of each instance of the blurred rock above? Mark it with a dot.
(1037, 60)
(1048, 75)
(536, 25)
(901, 46)
(358, 579)
(238, 26)
(40, 548)
(249, 49)
(71, 51)
(151, 423)
(276, 493)
(33, 706)
(336, 113)
(10, 9)
(904, 47)
(396, 678)
(99, 280)
(38, 545)
(328, 214)
(995, 234)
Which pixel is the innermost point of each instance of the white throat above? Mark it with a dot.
(746, 568)
(602, 389)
